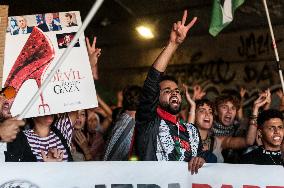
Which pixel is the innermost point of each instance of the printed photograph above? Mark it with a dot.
(68, 19)
(48, 22)
(21, 24)
(63, 40)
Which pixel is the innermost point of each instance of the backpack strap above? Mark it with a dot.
(64, 142)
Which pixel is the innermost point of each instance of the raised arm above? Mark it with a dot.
(94, 54)
(104, 106)
(267, 95)
(119, 95)
(198, 92)
(106, 112)
(191, 104)
(281, 97)
(178, 34)
(243, 91)
(151, 89)
(240, 142)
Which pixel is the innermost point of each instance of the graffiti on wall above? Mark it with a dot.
(248, 62)
(252, 45)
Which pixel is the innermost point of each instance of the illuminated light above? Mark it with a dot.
(145, 32)
(133, 158)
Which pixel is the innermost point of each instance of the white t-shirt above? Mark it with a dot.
(3, 148)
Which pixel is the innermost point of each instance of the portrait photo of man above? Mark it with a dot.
(49, 24)
(23, 28)
(69, 20)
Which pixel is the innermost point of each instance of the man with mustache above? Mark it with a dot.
(160, 135)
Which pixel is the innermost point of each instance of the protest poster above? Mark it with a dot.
(33, 46)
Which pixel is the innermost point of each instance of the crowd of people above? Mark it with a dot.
(149, 124)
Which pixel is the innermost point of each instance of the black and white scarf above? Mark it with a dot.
(221, 130)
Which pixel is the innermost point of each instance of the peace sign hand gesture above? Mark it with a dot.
(94, 54)
(179, 30)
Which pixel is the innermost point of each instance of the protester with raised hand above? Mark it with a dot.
(240, 114)
(203, 119)
(94, 54)
(191, 104)
(279, 93)
(48, 139)
(160, 135)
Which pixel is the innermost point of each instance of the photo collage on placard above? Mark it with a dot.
(47, 22)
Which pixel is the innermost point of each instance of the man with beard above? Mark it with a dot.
(160, 135)
(271, 131)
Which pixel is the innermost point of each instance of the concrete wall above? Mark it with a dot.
(231, 60)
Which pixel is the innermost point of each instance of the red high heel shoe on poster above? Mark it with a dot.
(31, 63)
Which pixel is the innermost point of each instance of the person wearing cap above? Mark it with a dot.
(271, 131)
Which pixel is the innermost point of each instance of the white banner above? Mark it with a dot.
(138, 175)
(32, 52)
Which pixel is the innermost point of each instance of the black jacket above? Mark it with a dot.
(45, 28)
(148, 122)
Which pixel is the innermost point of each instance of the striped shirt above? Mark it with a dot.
(64, 125)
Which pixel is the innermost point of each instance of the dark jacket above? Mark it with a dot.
(148, 122)
(45, 28)
(260, 156)
(29, 30)
(20, 151)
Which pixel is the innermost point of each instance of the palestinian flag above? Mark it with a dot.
(222, 14)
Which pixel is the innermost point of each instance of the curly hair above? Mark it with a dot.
(201, 102)
(228, 98)
(267, 115)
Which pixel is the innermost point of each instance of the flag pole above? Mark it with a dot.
(274, 45)
(86, 22)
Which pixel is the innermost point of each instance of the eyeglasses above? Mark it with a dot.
(8, 92)
(170, 91)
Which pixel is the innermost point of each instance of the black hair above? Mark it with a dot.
(131, 97)
(68, 15)
(168, 77)
(267, 115)
(201, 102)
